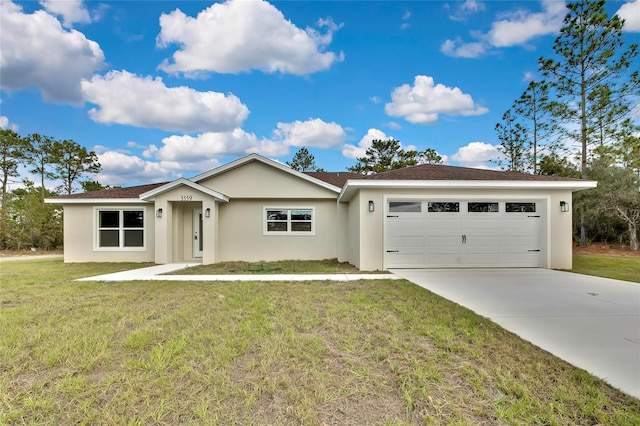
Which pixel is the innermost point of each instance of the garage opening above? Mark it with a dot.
(463, 233)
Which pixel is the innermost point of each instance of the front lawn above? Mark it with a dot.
(314, 353)
(328, 266)
(621, 268)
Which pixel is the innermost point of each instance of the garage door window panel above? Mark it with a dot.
(473, 207)
(520, 207)
(443, 207)
(405, 206)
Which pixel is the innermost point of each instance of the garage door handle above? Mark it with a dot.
(464, 239)
(393, 251)
(391, 216)
(533, 250)
(533, 216)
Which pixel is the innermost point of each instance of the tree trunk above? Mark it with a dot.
(633, 236)
(583, 229)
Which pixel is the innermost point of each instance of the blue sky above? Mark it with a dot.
(163, 89)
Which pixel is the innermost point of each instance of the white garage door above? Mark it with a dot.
(452, 233)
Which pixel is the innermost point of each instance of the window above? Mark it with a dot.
(520, 207)
(482, 207)
(443, 207)
(289, 221)
(405, 206)
(120, 229)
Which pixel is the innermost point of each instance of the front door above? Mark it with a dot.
(197, 233)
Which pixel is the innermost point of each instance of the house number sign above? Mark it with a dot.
(186, 197)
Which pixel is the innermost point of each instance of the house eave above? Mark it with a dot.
(352, 186)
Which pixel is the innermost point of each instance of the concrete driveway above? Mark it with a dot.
(590, 322)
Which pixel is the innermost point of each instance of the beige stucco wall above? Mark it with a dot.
(80, 235)
(368, 253)
(241, 231)
(353, 229)
(258, 180)
(342, 231)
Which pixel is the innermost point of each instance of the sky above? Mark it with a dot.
(168, 89)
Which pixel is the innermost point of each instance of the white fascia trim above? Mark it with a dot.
(149, 195)
(256, 157)
(95, 201)
(351, 186)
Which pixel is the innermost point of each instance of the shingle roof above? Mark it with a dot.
(128, 192)
(335, 178)
(420, 172)
(442, 172)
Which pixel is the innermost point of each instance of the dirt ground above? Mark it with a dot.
(602, 249)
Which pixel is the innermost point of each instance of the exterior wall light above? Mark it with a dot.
(372, 206)
(564, 206)
(159, 213)
(207, 212)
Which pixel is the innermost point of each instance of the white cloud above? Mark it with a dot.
(192, 149)
(71, 11)
(459, 49)
(393, 125)
(513, 28)
(476, 154)
(630, 12)
(353, 151)
(375, 99)
(528, 76)
(311, 133)
(4, 124)
(126, 98)
(405, 17)
(201, 151)
(119, 169)
(466, 9)
(423, 102)
(241, 35)
(521, 26)
(54, 59)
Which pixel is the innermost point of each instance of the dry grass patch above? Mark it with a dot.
(315, 353)
(327, 266)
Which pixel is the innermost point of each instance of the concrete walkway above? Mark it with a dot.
(30, 257)
(590, 322)
(153, 273)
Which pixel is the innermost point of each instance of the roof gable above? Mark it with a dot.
(150, 195)
(255, 157)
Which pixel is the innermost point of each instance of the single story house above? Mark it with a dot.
(254, 208)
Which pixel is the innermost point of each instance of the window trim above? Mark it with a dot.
(289, 232)
(121, 228)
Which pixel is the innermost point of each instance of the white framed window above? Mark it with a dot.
(120, 228)
(289, 221)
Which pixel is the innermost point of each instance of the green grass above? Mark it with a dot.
(620, 268)
(314, 353)
(328, 266)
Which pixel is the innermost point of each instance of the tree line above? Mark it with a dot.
(577, 122)
(25, 220)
